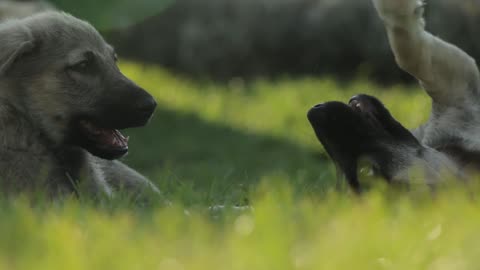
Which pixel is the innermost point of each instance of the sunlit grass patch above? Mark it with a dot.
(282, 231)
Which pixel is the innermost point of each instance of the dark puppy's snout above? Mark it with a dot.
(146, 105)
(316, 112)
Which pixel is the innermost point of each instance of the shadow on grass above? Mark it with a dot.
(199, 162)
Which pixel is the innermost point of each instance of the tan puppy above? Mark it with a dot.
(62, 101)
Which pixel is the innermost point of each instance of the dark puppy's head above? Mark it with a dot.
(69, 84)
(362, 129)
(357, 127)
(339, 127)
(345, 135)
(333, 117)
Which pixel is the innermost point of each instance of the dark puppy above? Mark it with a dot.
(448, 141)
(365, 129)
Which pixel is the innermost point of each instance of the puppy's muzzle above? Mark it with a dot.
(145, 107)
(131, 106)
(125, 105)
(137, 110)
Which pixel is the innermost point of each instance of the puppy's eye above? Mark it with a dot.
(82, 66)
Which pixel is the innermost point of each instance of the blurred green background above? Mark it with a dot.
(227, 39)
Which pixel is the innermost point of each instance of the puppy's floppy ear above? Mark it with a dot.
(15, 40)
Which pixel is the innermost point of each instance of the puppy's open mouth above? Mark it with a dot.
(356, 105)
(107, 143)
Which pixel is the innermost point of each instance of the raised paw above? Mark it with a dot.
(399, 9)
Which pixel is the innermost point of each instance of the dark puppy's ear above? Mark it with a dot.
(15, 40)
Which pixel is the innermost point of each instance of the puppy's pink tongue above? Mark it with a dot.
(113, 138)
(117, 139)
(105, 136)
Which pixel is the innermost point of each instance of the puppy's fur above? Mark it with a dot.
(449, 76)
(61, 99)
(364, 129)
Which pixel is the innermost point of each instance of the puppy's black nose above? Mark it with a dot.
(146, 106)
(316, 112)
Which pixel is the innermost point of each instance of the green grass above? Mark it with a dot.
(246, 144)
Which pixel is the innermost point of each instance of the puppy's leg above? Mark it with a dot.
(448, 74)
(120, 176)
